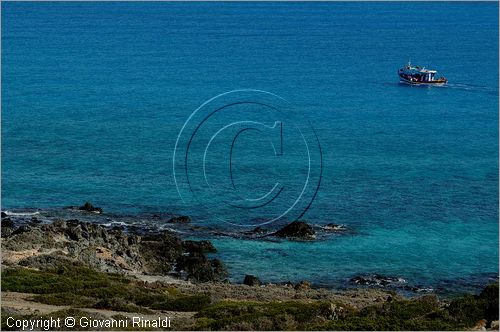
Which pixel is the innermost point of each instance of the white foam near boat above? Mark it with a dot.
(416, 75)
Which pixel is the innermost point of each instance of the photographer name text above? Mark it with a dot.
(50, 323)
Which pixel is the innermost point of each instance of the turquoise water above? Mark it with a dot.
(95, 94)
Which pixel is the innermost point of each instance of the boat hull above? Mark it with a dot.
(435, 83)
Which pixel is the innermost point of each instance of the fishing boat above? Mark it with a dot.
(416, 75)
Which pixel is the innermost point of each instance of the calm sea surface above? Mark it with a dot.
(94, 96)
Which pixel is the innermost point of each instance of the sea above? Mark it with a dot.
(132, 106)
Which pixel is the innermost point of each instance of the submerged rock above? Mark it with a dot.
(251, 280)
(335, 228)
(259, 230)
(4, 215)
(297, 230)
(377, 280)
(90, 208)
(180, 220)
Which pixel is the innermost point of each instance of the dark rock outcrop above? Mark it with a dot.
(199, 246)
(7, 227)
(197, 267)
(90, 208)
(7, 222)
(251, 280)
(160, 251)
(297, 230)
(22, 229)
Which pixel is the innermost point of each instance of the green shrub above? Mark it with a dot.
(63, 280)
(403, 309)
(490, 296)
(184, 303)
(117, 304)
(64, 299)
(467, 309)
(82, 287)
(244, 315)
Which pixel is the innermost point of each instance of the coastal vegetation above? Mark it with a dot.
(77, 287)
(81, 286)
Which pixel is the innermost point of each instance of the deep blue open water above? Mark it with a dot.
(95, 94)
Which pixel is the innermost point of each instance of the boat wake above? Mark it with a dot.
(455, 86)
(471, 87)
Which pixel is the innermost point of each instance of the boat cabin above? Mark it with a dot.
(416, 74)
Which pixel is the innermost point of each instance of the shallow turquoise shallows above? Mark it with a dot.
(94, 95)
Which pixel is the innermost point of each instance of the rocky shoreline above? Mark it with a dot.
(108, 250)
(157, 272)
